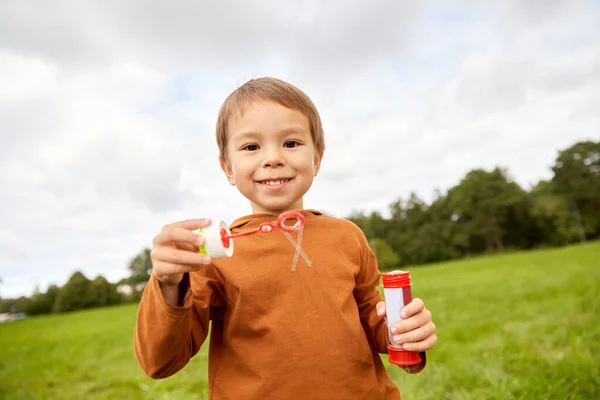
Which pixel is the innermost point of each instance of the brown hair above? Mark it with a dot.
(272, 89)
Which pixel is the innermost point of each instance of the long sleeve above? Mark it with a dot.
(367, 296)
(166, 337)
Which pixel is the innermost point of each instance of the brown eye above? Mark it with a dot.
(291, 144)
(250, 147)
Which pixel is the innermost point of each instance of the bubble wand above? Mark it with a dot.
(218, 239)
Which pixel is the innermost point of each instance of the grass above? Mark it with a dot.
(517, 326)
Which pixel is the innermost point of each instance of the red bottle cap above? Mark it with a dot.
(396, 279)
(402, 357)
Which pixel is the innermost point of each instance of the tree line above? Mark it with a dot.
(80, 292)
(486, 211)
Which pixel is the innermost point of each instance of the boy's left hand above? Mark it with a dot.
(416, 331)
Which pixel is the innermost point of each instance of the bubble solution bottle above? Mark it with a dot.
(397, 293)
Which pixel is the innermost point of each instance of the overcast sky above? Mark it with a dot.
(108, 108)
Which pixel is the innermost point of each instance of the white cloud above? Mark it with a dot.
(107, 110)
(24, 78)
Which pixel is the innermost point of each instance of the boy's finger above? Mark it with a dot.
(412, 308)
(166, 269)
(180, 257)
(416, 335)
(423, 345)
(178, 235)
(412, 322)
(190, 224)
(380, 309)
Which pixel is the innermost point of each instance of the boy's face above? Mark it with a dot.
(271, 157)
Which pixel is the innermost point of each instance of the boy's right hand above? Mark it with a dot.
(175, 252)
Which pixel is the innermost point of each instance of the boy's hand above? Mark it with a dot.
(175, 252)
(416, 331)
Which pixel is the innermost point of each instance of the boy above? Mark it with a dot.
(294, 316)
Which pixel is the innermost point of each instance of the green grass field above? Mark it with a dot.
(517, 326)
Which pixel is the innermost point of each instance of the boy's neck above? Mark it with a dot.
(257, 209)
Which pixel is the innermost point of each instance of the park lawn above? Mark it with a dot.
(517, 326)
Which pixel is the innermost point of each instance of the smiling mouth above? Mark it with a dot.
(274, 182)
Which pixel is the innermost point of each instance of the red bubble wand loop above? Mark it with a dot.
(269, 226)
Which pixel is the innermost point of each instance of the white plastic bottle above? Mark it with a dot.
(397, 293)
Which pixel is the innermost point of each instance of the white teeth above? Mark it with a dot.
(274, 183)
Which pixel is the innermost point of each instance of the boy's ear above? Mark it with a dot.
(227, 169)
(318, 159)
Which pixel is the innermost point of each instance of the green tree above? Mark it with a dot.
(15, 305)
(73, 295)
(140, 269)
(407, 217)
(577, 179)
(481, 202)
(386, 257)
(553, 216)
(102, 293)
(52, 295)
(363, 222)
(441, 237)
(373, 225)
(40, 303)
(421, 234)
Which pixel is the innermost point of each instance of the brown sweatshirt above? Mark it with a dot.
(286, 324)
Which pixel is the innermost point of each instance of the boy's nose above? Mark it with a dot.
(273, 158)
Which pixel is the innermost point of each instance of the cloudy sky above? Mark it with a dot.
(107, 109)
